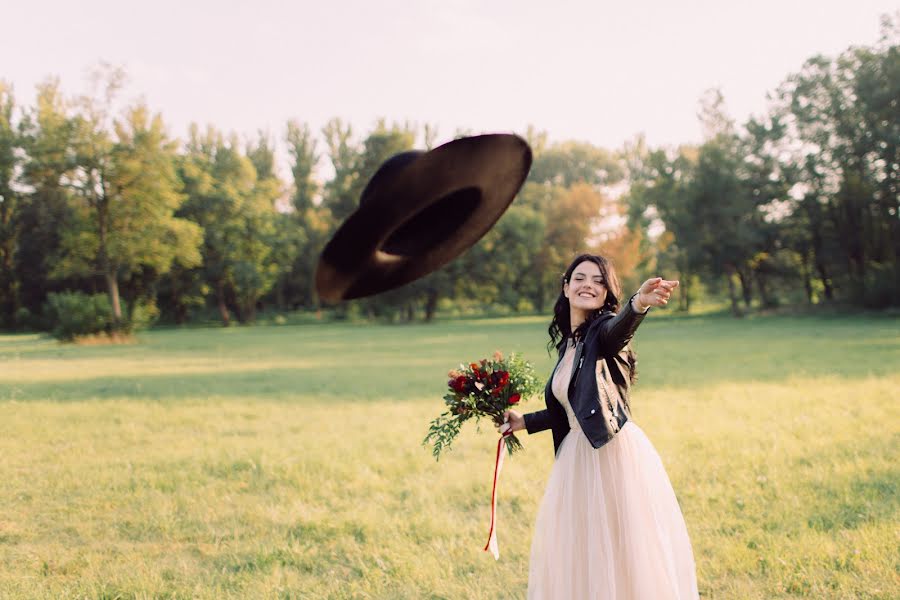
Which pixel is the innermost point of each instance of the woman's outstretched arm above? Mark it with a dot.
(617, 331)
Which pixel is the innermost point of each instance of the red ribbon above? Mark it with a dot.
(498, 465)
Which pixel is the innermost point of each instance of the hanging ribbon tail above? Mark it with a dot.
(498, 466)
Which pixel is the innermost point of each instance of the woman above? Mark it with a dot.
(609, 525)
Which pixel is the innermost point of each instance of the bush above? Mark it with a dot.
(74, 313)
(144, 314)
(881, 286)
(23, 320)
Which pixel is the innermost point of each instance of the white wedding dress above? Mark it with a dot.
(609, 526)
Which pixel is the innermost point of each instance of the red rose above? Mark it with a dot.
(458, 384)
(474, 366)
(514, 398)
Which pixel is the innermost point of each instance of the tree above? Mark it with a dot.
(568, 163)
(9, 205)
(125, 193)
(45, 210)
(236, 210)
(262, 254)
(304, 158)
(659, 196)
(841, 125)
(310, 221)
(338, 195)
(501, 268)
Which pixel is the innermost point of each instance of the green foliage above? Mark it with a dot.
(143, 315)
(568, 163)
(235, 209)
(811, 186)
(797, 205)
(10, 144)
(302, 149)
(23, 319)
(120, 186)
(72, 314)
(343, 153)
(880, 287)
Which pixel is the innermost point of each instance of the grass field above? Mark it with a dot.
(286, 462)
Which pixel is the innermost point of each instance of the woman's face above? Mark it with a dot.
(586, 288)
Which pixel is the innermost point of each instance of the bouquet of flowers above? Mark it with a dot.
(482, 389)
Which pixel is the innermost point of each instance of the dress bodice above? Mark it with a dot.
(560, 383)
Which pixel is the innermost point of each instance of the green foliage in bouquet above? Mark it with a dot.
(482, 389)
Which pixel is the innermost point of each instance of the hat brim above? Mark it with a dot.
(424, 215)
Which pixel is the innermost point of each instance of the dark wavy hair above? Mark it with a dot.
(561, 326)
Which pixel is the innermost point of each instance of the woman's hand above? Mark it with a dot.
(654, 292)
(515, 419)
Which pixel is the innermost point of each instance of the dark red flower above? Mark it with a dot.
(514, 398)
(458, 384)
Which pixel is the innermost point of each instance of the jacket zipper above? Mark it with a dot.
(577, 372)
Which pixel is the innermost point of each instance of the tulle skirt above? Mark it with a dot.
(609, 526)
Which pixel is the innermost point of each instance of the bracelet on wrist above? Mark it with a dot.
(635, 305)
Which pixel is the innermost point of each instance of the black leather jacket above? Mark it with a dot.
(600, 402)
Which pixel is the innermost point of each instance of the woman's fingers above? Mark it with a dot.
(656, 291)
(648, 286)
(665, 289)
(514, 419)
(666, 285)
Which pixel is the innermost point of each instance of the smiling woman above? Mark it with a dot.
(609, 525)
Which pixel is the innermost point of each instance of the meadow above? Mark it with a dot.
(286, 461)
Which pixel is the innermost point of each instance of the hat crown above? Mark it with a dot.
(387, 172)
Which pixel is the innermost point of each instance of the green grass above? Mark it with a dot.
(285, 462)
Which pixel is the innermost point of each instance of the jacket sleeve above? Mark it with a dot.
(537, 421)
(616, 332)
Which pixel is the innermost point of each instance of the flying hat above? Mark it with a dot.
(420, 211)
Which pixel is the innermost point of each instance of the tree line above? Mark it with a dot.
(803, 198)
(799, 205)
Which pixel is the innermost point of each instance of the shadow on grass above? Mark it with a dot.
(333, 384)
(274, 383)
(831, 492)
(850, 503)
(406, 362)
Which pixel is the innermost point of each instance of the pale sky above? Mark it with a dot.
(596, 71)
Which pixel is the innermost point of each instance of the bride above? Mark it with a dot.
(609, 525)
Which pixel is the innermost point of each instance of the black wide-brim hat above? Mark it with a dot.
(420, 211)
